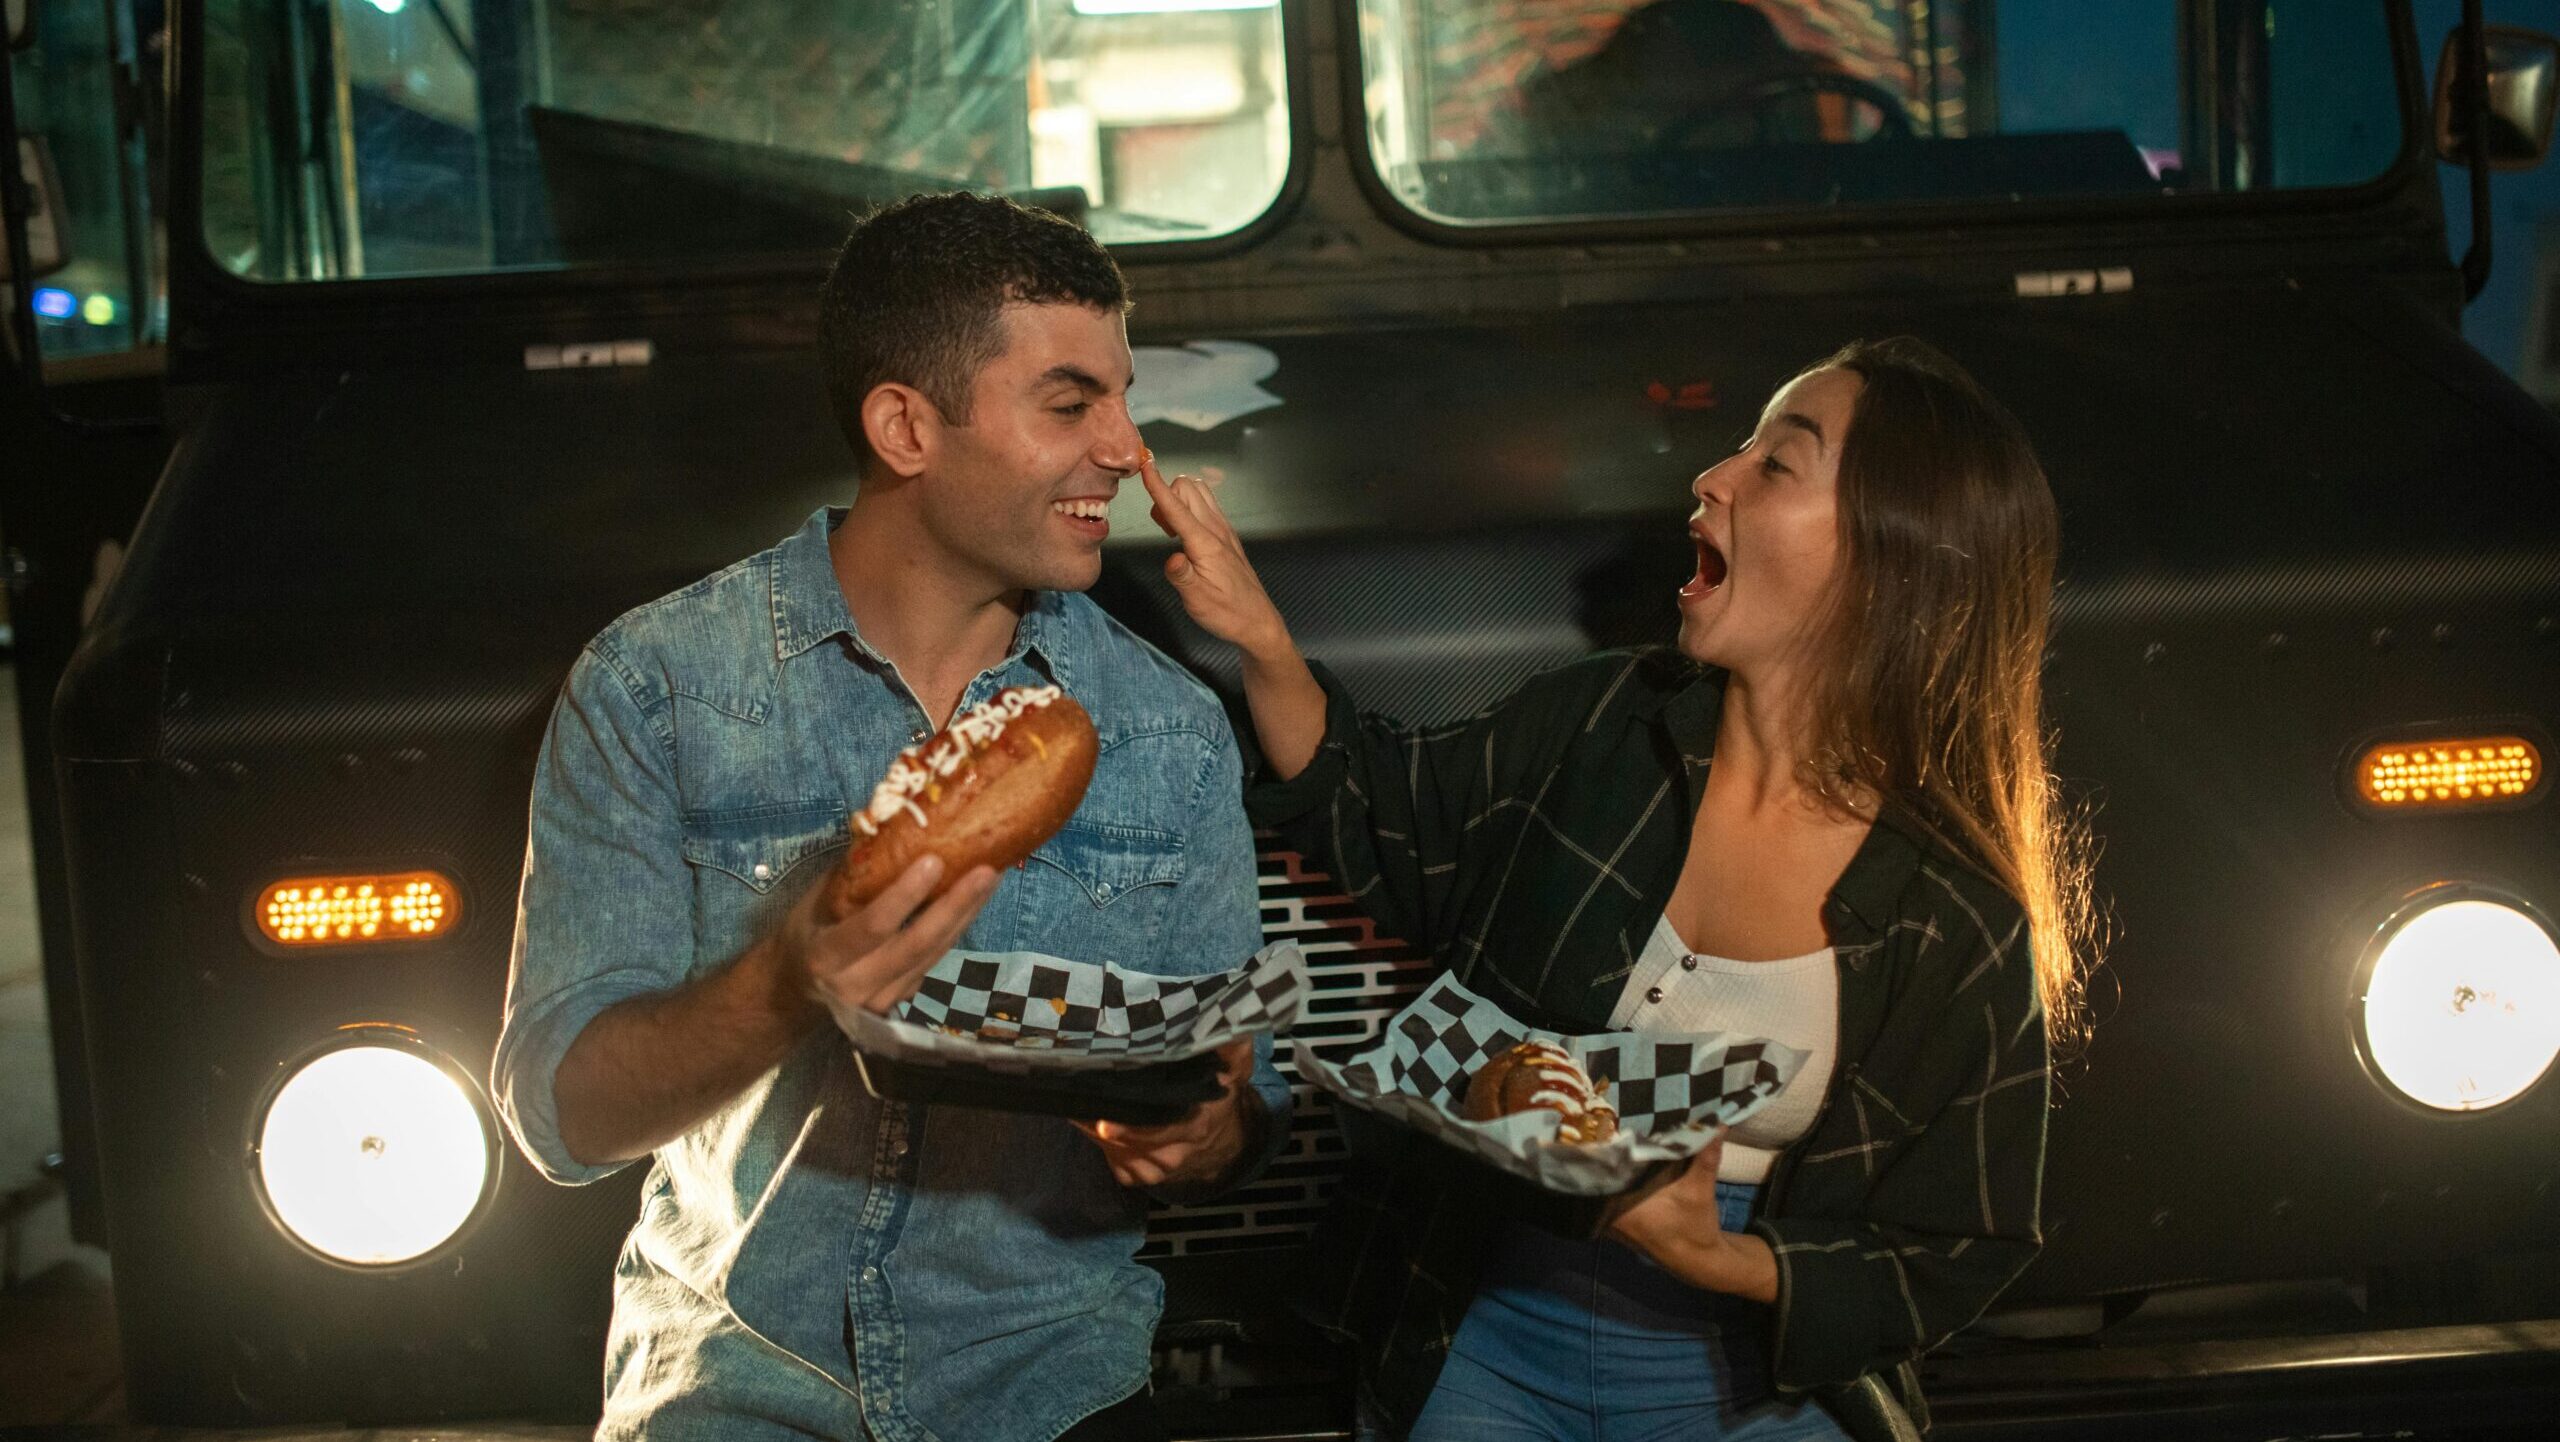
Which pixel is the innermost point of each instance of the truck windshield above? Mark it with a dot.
(345, 139)
(1521, 111)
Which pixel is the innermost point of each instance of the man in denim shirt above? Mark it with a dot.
(809, 1260)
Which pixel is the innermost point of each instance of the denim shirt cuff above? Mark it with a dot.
(525, 1074)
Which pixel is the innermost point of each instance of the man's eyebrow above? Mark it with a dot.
(1073, 375)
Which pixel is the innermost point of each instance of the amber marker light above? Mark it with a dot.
(2448, 773)
(310, 911)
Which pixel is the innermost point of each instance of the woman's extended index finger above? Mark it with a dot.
(1170, 513)
(1203, 501)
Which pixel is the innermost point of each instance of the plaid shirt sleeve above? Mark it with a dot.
(1391, 811)
(1951, 1216)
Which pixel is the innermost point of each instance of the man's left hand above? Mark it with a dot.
(1195, 1152)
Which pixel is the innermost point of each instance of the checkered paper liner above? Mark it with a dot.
(1672, 1089)
(1028, 1014)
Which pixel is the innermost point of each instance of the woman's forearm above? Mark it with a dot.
(1288, 706)
(1736, 1263)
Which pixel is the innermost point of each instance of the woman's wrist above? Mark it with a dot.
(1288, 706)
(1719, 1261)
(1271, 650)
(1742, 1265)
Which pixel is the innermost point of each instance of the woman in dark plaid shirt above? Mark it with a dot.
(1826, 817)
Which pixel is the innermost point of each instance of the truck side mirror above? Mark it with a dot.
(2524, 87)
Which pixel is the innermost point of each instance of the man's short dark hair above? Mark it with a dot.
(918, 292)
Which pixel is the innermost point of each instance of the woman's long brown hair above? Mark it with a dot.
(1933, 691)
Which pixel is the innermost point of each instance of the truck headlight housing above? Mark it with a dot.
(2457, 1003)
(374, 1150)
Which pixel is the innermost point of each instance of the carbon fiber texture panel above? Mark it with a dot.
(1428, 629)
(2513, 583)
(363, 774)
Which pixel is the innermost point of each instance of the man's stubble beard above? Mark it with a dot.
(1012, 556)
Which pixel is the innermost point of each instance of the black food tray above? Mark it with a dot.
(1138, 1096)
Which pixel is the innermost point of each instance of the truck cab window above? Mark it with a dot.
(366, 138)
(1505, 111)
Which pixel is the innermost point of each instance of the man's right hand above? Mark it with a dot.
(875, 957)
(649, 1068)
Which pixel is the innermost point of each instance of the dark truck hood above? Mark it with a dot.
(2192, 438)
(2273, 498)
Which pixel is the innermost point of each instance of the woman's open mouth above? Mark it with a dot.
(1710, 569)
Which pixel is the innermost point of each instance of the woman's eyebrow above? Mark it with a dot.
(1804, 423)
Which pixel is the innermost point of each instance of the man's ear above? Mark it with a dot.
(903, 427)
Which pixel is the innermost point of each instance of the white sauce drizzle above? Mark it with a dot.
(918, 768)
(1562, 1082)
(1568, 1090)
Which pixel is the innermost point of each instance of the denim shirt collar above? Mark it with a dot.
(809, 606)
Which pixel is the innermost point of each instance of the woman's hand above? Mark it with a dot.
(1678, 1224)
(1217, 584)
(1223, 595)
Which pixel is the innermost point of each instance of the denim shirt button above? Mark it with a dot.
(763, 872)
(1653, 994)
(871, 1274)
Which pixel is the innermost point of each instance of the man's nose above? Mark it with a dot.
(1120, 448)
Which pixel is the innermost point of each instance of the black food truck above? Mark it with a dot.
(488, 321)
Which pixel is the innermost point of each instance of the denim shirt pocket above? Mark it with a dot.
(1108, 863)
(740, 860)
(760, 846)
(1097, 893)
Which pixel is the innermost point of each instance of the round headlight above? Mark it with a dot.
(374, 1152)
(2460, 1007)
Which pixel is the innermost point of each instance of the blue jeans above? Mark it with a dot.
(1591, 1342)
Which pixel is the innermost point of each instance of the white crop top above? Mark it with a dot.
(1795, 1001)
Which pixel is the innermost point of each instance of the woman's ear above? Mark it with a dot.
(903, 427)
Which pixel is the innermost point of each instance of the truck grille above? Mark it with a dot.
(1359, 979)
